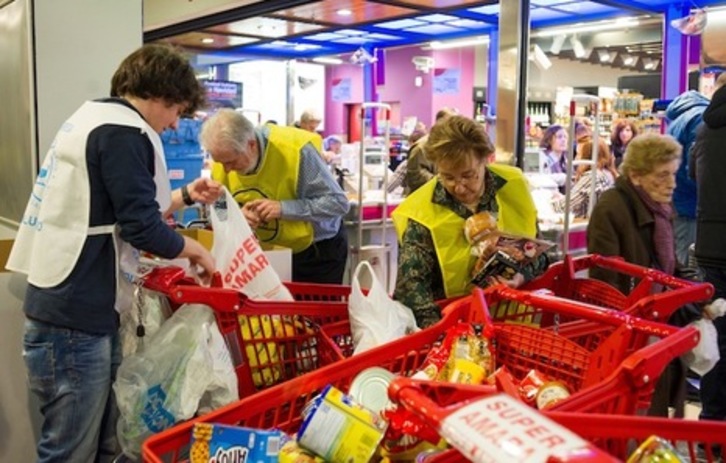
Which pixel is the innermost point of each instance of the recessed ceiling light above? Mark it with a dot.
(207, 40)
(344, 12)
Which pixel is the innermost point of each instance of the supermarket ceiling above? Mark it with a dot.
(315, 28)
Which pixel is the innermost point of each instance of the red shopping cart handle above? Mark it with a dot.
(182, 289)
(442, 393)
(162, 279)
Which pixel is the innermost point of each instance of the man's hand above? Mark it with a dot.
(252, 218)
(266, 209)
(205, 190)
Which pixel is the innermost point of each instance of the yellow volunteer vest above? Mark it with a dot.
(276, 178)
(517, 215)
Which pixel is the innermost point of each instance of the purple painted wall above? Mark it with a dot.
(335, 122)
(463, 101)
(399, 87)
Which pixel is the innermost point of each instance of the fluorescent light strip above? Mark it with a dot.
(326, 60)
(436, 45)
(597, 27)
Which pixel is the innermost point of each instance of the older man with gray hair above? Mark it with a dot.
(286, 191)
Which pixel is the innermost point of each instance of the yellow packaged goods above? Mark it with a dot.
(471, 357)
(265, 357)
(339, 430)
(655, 450)
(291, 452)
(213, 443)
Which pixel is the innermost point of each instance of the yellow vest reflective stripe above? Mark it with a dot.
(517, 215)
(276, 178)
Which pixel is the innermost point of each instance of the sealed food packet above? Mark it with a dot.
(471, 354)
(218, 442)
(499, 253)
(655, 450)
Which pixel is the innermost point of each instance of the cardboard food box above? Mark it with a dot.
(279, 257)
(5, 246)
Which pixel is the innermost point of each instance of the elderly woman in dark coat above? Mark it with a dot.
(634, 220)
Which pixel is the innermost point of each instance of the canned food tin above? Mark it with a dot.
(550, 393)
(340, 430)
(370, 388)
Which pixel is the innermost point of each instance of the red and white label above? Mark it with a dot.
(500, 428)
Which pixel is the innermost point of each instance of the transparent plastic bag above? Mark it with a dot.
(184, 362)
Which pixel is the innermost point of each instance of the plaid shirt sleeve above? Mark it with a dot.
(419, 283)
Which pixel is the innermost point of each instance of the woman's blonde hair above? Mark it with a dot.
(645, 153)
(454, 138)
(605, 159)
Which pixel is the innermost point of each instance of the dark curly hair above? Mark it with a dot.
(158, 71)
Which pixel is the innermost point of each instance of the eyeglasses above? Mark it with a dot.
(467, 178)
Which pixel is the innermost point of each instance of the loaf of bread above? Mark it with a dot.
(478, 226)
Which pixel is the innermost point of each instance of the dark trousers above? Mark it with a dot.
(323, 262)
(713, 383)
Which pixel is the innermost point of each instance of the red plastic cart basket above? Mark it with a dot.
(594, 374)
(286, 341)
(565, 279)
(618, 435)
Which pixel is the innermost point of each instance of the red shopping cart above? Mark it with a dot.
(565, 279)
(606, 368)
(618, 435)
(269, 341)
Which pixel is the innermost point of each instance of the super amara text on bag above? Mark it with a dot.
(248, 261)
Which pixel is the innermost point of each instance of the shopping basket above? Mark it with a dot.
(565, 279)
(269, 341)
(519, 347)
(618, 435)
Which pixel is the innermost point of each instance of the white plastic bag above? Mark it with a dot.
(238, 254)
(150, 309)
(183, 362)
(375, 318)
(704, 356)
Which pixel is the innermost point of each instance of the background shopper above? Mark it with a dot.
(685, 114)
(710, 166)
(633, 220)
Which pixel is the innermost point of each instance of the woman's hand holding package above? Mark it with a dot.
(515, 282)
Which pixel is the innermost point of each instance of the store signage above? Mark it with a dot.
(341, 90)
(447, 81)
(223, 94)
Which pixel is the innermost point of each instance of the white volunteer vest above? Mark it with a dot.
(55, 223)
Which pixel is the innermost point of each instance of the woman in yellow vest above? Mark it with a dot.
(435, 260)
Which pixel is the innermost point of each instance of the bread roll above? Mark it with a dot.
(479, 225)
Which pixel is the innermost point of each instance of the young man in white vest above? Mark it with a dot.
(100, 196)
(286, 191)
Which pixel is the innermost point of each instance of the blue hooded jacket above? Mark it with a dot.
(685, 114)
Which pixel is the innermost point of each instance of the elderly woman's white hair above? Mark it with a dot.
(310, 115)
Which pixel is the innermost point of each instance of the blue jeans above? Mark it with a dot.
(713, 383)
(71, 372)
(684, 229)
